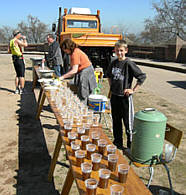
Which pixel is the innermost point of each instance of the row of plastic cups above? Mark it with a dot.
(91, 187)
(79, 120)
(81, 130)
(65, 96)
(87, 168)
(95, 158)
(91, 147)
(83, 135)
(104, 175)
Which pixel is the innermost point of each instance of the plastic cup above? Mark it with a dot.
(102, 146)
(91, 148)
(81, 131)
(95, 120)
(95, 137)
(79, 120)
(75, 146)
(116, 189)
(111, 149)
(84, 111)
(80, 155)
(67, 128)
(86, 169)
(96, 159)
(112, 161)
(123, 170)
(91, 186)
(84, 141)
(71, 137)
(87, 128)
(104, 175)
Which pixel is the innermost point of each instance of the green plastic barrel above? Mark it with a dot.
(148, 138)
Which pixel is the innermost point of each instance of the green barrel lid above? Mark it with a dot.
(150, 114)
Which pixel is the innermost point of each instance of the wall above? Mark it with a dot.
(161, 53)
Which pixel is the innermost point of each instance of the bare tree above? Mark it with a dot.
(131, 38)
(6, 34)
(106, 30)
(34, 29)
(115, 29)
(168, 22)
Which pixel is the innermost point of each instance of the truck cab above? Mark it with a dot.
(84, 29)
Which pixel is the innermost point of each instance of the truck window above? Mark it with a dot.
(82, 24)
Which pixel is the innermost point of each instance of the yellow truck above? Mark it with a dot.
(84, 28)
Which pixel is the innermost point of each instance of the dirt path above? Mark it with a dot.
(26, 145)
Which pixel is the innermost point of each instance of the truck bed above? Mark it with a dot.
(92, 39)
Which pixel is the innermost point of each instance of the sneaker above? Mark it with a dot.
(17, 91)
(21, 91)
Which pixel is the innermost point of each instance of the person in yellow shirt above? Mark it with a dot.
(17, 56)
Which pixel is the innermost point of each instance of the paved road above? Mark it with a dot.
(167, 84)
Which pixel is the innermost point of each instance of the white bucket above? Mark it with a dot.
(97, 102)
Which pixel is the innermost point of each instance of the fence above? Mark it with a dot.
(161, 53)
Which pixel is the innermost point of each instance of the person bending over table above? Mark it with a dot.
(82, 68)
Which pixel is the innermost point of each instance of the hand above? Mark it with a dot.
(24, 37)
(61, 78)
(128, 92)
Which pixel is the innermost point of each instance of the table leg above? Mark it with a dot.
(68, 183)
(35, 78)
(55, 157)
(39, 98)
(43, 96)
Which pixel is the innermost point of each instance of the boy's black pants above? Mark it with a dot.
(120, 111)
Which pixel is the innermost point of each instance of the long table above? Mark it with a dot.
(133, 186)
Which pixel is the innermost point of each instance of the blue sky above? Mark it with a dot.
(129, 13)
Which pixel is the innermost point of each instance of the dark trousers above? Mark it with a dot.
(120, 112)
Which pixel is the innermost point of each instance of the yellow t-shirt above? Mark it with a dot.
(15, 50)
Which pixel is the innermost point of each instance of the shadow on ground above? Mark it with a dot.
(5, 89)
(34, 159)
(160, 190)
(178, 84)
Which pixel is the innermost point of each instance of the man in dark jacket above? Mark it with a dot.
(54, 57)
